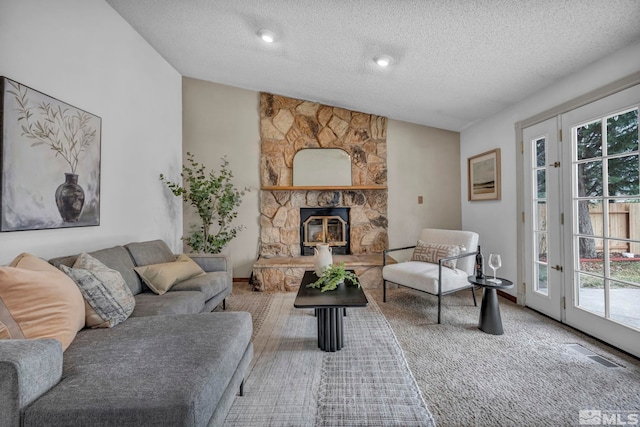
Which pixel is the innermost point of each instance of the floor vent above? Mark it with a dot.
(593, 356)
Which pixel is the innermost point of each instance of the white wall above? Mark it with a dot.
(422, 161)
(223, 120)
(497, 221)
(83, 53)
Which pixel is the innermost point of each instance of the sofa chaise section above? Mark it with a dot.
(139, 373)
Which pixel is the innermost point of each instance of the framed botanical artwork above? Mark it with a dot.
(50, 155)
(484, 176)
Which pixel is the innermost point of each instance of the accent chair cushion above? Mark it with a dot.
(434, 252)
(424, 276)
(39, 301)
(108, 300)
(161, 277)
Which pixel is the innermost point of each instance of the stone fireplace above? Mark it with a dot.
(287, 126)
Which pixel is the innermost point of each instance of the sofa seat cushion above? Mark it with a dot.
(424, 276)
(106, 377)
(210, 284)
(184, 302)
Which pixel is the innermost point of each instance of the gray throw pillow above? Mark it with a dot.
(108, 299)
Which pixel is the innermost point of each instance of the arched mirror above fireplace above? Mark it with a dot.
(322, 167)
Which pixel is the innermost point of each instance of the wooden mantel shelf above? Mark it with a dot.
(324, 187)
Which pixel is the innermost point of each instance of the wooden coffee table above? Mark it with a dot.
(328, 307)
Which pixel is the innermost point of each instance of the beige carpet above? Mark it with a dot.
(530, 376)
(292, 383)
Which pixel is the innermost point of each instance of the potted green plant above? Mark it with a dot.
(332, 276)
(215, 199)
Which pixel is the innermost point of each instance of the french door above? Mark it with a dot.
(603, 237)
(582, 219)
(544, 284)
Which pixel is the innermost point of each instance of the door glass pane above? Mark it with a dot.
(619, 216)
(633, 206)
(622, 133)
(590, 218)
(542, 246)
(591, 293)
(590, 179)
(541, 183)
(592, 256)
(623, 265)
(623, 304)
(589, 140)
(542, 284)
(623, 176)
(540, 152)
(541, 222)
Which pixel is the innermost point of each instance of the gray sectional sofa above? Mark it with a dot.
(172, 363)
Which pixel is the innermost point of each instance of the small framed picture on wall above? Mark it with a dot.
(484, 176)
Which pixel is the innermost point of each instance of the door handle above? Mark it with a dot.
(557, 268)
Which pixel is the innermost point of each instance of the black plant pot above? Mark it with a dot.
(70, 198)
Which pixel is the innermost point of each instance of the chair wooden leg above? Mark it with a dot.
(473, 292)
(242, 388)
(224, 304)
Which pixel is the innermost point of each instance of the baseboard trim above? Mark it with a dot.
(508, 296)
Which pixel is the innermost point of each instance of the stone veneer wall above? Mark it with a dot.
(288, 125)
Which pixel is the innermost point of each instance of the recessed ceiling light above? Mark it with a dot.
(267, 36)
(382, 60)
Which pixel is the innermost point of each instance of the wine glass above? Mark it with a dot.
(495, 262)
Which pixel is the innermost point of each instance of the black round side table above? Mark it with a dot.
(490, 320)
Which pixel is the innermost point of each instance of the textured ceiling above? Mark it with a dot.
(454, 61)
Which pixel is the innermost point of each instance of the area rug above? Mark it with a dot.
(291, 382)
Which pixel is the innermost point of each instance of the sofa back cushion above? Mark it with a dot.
(117, 258)
(39, 301)
(151, 252)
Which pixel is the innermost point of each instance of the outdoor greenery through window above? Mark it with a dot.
(540, 224)
(607, 201)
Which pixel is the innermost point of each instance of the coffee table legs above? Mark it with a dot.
(330, 328)
(490, 320)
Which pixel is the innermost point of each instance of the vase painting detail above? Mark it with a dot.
(70, 198)
(44, 139)
(322, 257)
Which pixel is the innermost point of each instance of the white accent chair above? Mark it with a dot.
(435, 279)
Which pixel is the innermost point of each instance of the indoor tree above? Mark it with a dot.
(215, 198)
